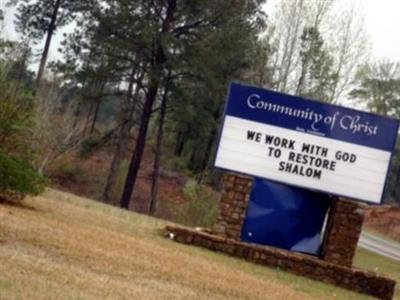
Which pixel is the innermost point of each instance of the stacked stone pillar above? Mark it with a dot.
(342, 232)
(233, 206)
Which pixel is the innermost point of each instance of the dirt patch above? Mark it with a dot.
(86, 177)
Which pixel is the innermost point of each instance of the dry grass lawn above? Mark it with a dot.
(59, 246)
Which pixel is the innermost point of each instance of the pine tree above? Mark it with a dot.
(42, 18)
(153, 37)
(316, 78)
(378, 88)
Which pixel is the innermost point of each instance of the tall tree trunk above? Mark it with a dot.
(95, 116)
(157, 65)
(180, 143)
(21, 70)
(287, 59)
(206, 156)
(301, 82)
(123, 136)
(87, 121)
(211, 141)
(193, 159)
(116, 162)
(49, 36)
(99, 92)
(140, 144)
(77, 113)
(157, 155)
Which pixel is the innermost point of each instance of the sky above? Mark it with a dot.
(382, 23)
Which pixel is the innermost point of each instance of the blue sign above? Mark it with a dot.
(306, 143)
(279, 215)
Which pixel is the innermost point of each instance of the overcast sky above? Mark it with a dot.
(382, 23)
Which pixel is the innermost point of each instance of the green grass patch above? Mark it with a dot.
(367, 260)
(4, 285)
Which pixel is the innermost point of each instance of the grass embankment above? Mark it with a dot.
(60, 246)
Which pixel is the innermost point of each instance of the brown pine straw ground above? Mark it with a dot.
(59, 246)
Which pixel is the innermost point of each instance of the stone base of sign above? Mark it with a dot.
(343, 231)
(365, 282)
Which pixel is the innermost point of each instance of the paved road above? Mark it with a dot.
(379, 245)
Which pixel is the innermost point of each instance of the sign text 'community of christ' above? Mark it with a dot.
(306, 143)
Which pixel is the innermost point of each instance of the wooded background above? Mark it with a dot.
(141, 86)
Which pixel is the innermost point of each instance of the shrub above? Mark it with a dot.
(201, 207)
(17, 176)
(68, 168)
(90, 145)
(191, 189)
